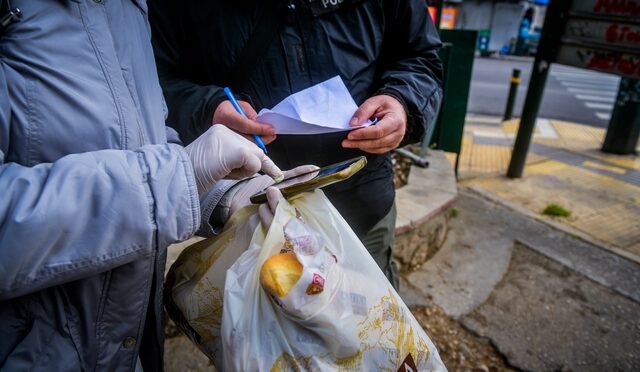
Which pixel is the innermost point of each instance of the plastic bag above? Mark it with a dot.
(357, 322)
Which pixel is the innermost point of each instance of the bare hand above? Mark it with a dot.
(386, 134)
(226, 115)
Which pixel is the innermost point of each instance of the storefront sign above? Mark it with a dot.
(613, 62)
(613, 34)
(602, 35)
(622, 8)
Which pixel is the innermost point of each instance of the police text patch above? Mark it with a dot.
(320, 7)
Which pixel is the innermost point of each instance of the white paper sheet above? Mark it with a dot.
(323, 108)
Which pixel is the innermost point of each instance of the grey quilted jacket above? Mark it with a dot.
(91, 192)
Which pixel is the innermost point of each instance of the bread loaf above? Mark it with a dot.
(280, 273)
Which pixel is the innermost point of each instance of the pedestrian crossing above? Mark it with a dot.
(597, 91)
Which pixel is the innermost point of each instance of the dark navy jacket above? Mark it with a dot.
(376, 46)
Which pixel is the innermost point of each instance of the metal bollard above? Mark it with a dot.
(513, 91)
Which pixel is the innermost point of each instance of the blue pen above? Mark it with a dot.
(236, 105)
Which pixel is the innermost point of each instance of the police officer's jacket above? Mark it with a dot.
(376, 46)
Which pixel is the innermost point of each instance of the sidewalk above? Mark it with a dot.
(564, 167)
(544, 299)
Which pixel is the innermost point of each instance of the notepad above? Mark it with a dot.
(326, 107)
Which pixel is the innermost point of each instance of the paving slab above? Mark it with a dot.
(564, 166)
(604, 207)
(544, 316)
(477, 253)
(471, 262)
(181, 355)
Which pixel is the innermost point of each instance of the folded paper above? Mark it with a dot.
(323, 108)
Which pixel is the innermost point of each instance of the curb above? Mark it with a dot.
(436, 184)
(556, 225)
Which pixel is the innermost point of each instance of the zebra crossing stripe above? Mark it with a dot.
(603, 115)
(592, 91)
(584, 75)
(587, 97)
(587, 85)
(599, 106)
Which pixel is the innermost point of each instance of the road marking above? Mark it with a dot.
(608, 168)
(584, 75)
(591, 91)
(586, 80)
(596, 84)
(599, 91)
(483, 119)
(599, 106)
(545, 129)
(586, 97)
(598, 87)
(491, 134)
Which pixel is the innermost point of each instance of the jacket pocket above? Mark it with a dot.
(36, 343)
(106, 284)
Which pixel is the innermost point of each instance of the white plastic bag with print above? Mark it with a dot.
(194, 285)
(356, 323)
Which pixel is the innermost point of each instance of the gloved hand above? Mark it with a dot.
(257, 184)
(267, 211)
(221, 153)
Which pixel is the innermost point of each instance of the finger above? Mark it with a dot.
(302, 173)
(390, 141)
(268, 139)
(300, 170)
(245, 125)
(265, 139)
(377, 150)
(227, 115)
(271, 169)
(364, 112)
(265, 215)
(248, 109)
(383, 128)
(274, 196)
(250, 163)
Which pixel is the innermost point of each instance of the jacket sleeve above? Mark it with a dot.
(191, 105)
(90, 212)
(410, 69)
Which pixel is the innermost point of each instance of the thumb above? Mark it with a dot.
(274, 196)
(364, 112)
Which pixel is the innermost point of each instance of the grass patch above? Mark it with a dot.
(556, 210)
(453, 212)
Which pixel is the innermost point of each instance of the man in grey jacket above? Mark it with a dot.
(94, 187)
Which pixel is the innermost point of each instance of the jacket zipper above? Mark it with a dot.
(291, 12)
(301, 50)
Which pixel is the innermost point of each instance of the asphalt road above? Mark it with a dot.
(571, 94)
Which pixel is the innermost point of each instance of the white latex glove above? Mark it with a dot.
(257, 184)
(267, 211)
(221, 153)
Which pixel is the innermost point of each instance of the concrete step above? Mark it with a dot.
(423, 211)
